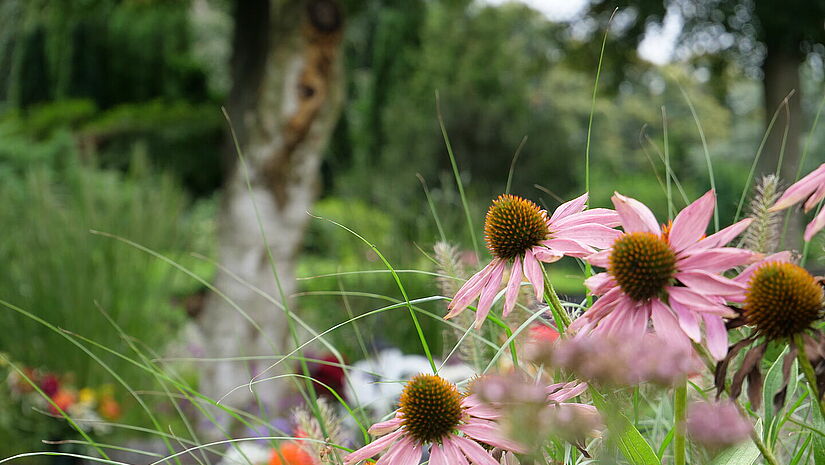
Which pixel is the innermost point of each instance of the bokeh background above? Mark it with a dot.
(118, 172)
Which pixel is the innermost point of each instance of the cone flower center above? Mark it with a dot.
(642, 264)
(782, 300)
(431, 408)
(513, 225)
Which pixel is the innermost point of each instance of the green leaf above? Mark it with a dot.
(773, 381)
(818, 423)
(745, 453)
(630, 441)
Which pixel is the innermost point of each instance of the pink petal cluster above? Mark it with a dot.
(621, 360)
(812, 188)
(402, 449)
(696, 296)
(571, 231)
(716, 425)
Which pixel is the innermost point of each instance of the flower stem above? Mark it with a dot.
(808, 370)
(559, 313)
(679, 414)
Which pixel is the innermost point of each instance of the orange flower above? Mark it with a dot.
(109, 408)
(291, 453)
(64, 399)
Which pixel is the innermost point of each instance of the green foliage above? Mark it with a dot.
(57, 269)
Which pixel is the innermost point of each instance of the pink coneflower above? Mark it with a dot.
(519, 236)
(716, 425)
(668, 275)
(812, 188)
(432, 413)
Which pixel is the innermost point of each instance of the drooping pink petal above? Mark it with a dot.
(635, 215)
(476, 408)
(697, 302)
(801, 189)
(688, 320)
(489, 433)
(716, 335)
(488, 293)
(453, 452)
(666, 325)
(815, 226)
(569, 247)
(709, 283)
(600, 259)
(403, 452)
(385, 427)
(636, 318)
(593, 235)
(604, 305)
(513, 285)
(568, 391)
(532, 270)
(690, 224)
(546, 255)
(373, 448)
(470, 290)
(722, 237)
(570, 207)
(815, 198)
(602, 216)
(600, 283)
(716, 260)
(437, 455)
(474, 451)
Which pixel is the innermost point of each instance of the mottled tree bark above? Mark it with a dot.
(285, 100)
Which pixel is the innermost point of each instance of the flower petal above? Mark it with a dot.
(372, 449)
(543, 254)
(709, 283)
(801, 189)
(386, 426)
(488, 294)
(635, 215)
(600, 283)
(716, 260)
(687, 320)
(722, 237)
(666, 324)
(569, 247)
(474, 451)
(600, 259)
(453, 453)
(476, 408)
(570, 207)
(603, 216)
(532, 270)
(513, 285)
(815, 226)
(697, 302)
(403, 452)
(593, 235)
(716, 335)
(690, 224)
(437, 455)
(470, 290)
(488, 433)
(745, 275)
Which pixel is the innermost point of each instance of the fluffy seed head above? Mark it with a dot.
(782, 300)
(431, 408)
(513, 225)
(642, 263)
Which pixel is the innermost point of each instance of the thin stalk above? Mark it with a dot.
(679, 415)
(559, 313)
(808, 370)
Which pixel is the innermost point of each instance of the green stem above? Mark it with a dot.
(559, 313)
(679, 415)
(808, 370)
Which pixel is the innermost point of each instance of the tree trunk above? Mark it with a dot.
(781, 76)
(285, 100)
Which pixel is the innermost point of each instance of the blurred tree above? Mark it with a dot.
(287, 91)
(769, 36)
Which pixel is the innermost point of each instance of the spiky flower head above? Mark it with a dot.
(513, 225)
(643, 264)
(431, 408)
(782, 300)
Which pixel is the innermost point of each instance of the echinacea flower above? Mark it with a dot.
(812, 188)
(519, 235)
(670, 276)
(716, 425)
(433, 413)
(782, 301)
